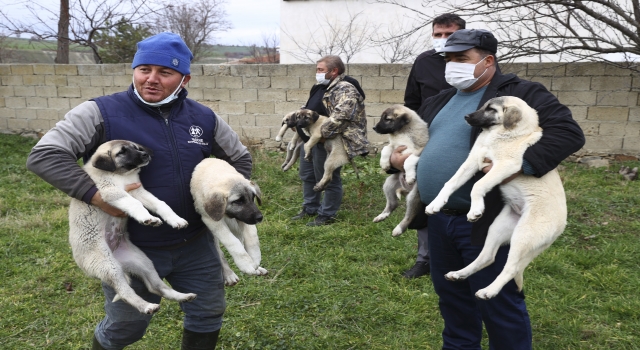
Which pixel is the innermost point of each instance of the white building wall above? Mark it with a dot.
(304, 20)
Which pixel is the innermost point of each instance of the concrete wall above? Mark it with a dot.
(253, 98)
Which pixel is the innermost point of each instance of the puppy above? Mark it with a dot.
(405, 128)
(293, 147)
(337, 156)
(535, 211)
(100, 242)
(225, 200)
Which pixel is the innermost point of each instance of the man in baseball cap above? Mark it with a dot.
(454, 242)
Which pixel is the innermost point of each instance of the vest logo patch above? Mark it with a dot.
(195, 132)
(175, 62)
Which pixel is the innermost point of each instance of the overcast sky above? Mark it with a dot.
(250, 19)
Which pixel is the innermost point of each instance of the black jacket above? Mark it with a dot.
(561, 136)
(426, 79)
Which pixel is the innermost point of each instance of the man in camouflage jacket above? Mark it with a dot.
(341, 98)
(345, 105)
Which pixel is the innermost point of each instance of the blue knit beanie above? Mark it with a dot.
(164, 49)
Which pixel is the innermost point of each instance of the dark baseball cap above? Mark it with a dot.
(465, 39)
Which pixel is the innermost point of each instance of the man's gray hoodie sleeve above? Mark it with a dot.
(227, 146)
(55, 157)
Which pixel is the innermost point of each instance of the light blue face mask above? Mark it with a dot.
(169, 98)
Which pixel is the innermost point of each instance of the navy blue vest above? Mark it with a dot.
(179, 143)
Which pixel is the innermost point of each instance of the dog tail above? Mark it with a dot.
(355, 168)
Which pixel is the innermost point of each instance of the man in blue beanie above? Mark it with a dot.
(156, 113)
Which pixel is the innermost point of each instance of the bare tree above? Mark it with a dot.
(333, 37)
(271, 46)
(6, 52)
(575, 30)
(195, 21)
(62, 55)
(394, 45)
(86, 19)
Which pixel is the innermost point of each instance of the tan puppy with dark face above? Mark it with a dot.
(100, 242)
(293, 147)
(337, 156)
(405, 128)
(535, 211)
(225, 200)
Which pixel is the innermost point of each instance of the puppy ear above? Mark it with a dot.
(512, 115)
(257, 192)
(216, 206)
(104, 162)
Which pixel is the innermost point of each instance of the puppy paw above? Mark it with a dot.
(318, 188)
(278, 138)
(262, 271)
(397, 231)
(177, 222)
(151, 309)
(381, 217)
(187, 297)
(435, 206)
(476, 211)
(486, 294)
(152, 221)
(454, 276)
(230, 279)
(475, 214)
(411, 180)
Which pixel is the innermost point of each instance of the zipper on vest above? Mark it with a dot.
(178, 166)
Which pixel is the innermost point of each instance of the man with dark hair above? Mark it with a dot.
(453, 241)
(156, 113)
(341, 98)
(425, 80)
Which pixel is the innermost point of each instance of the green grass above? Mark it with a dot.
(333, 287)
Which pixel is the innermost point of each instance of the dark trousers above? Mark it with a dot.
(310, 173)
(505, 316)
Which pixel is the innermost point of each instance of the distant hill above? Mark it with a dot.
(18, 50)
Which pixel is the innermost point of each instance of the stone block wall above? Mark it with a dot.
(253, 98)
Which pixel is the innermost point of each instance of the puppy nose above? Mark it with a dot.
(145, 155)
(374, 128)
(259, 218)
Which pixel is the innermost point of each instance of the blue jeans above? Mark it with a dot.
(192, 268)
(310, 173)
(505, 316)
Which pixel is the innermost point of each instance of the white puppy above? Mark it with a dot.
(535, 211)
(225, 200)
(405, 128)
(100, 242)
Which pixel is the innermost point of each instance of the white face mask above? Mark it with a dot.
(460, 75)
(169, 98)
(438, 44)
(320, 78)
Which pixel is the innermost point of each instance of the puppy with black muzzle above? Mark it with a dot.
(535, 211)
(405, 128)
(293, 147)
(226, 202)
(337, 155)
(100, 242)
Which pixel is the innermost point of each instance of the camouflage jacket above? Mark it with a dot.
(346, 110)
